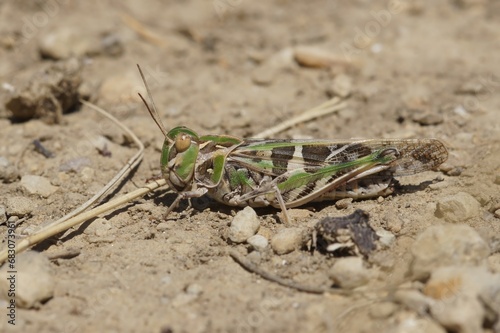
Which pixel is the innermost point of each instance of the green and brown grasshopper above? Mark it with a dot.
(286, 173)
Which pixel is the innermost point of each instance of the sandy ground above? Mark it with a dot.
(410, 69)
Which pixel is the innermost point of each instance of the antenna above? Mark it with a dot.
(153, 111)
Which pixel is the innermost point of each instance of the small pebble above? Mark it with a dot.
(100, 227)
(407, 322)
(350, 273)
(194, 289)
(264, 75)
(490, 297)
(343, 203)
(428, 118)
(386, 238)
(298, 215)
(307, 56)
(445, 245)
(383, 310)
(19, 206)
(456, 292)
(87, 175)
(341, 86)
(497, 180)
(3, 216)
(394, 223)
(72, 41)
(457, 207)
(413, 299)
(4, 162)
(244, 225)
(163, 226)
(258, 242)
(37, 185)
(459, 314)
(34, 282)
(456, 281)
(287, 240)
(8, 172)
(13, 219)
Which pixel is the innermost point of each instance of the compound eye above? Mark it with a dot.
(182, 142)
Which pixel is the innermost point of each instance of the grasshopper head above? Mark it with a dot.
(180, 149)
(178, 157)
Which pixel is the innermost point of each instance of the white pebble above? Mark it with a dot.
(446, 245)
(408, 322)
(34, 282)
(19, 206)
(457, 306)
(341, 86)
(464, 314)
(287, 240)
(4, 162)
(100, 227)
(3, 216)
(37, 185)
(386, 238)
(383, 310)
(394, 223)
(163, 226)
(87, 175)
(73, 41)
(244, 225)
(258, 242)
(413, 300)
(8, 171)
(350, 273)
(194, 289)
(264, 75)
(458, 207)
(190, 294)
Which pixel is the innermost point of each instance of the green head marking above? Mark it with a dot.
(174, 132)
(178, 158)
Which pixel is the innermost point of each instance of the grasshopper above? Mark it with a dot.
(286, 173)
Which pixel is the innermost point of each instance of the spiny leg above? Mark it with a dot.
(186, 195)
(281, 202)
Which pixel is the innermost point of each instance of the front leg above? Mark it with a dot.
(186, 195)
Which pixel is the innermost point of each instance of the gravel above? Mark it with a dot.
(446, 245)
(457, 207)
(350, 273)
(3, 216)
(37, 185)
(34, 282)
(258, 242)
(287, 240)
(244, 225)
(19, 206)
(455, 291)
